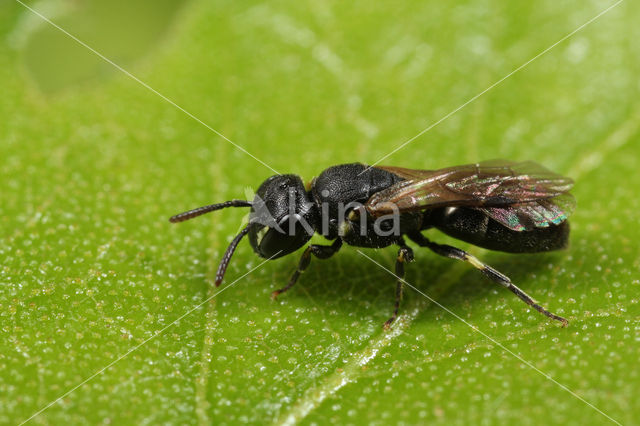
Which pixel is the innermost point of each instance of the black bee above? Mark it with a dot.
(499, 205)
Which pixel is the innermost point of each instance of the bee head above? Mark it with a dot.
(282, 218)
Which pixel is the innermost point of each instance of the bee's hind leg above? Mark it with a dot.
(488, 271)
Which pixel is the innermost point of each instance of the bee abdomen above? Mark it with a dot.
(475, 227)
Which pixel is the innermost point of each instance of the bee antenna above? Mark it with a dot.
(222, 268)
(206, 209)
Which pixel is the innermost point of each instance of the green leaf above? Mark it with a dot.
(109, 314)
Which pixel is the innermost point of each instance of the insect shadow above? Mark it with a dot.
(348, 285)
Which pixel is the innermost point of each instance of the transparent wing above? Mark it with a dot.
(536, 214)
(520, 193)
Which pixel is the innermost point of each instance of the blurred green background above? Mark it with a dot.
(92, 164)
